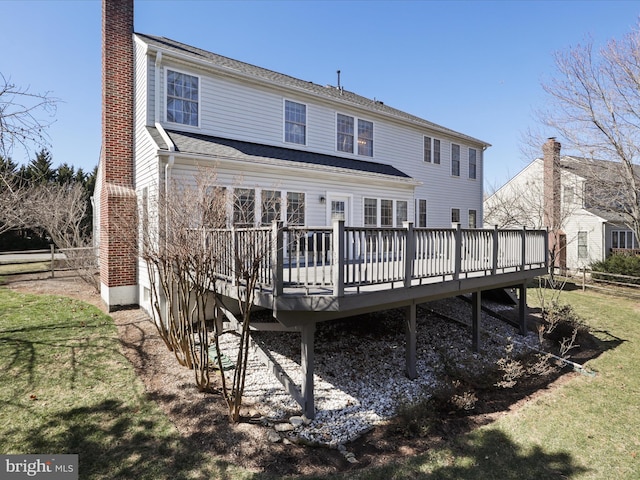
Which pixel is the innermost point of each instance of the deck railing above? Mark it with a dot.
(334, 258)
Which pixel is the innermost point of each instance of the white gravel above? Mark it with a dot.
(359, 367)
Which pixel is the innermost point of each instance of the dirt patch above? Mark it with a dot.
(202, 418)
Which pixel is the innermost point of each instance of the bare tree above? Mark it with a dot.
(24, 116)
(595, 107)
(191, 255)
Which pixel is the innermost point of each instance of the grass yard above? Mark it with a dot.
(65, 387)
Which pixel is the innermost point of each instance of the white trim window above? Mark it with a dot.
(244, 207)
(431, 150)
(455, 215)
(622, 239)
(583, 246)
(473, 219)
(455, 160)
(386, 213)
(402, 212)
(182, 98)
(346, 135)
(421, 213)
(295, 208)
(473, 165)
(370, 212)
(295, 122)
(271, 205)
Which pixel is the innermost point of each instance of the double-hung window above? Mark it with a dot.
(401, 212)
(270, 206)
(295, 122)
(244, 207)
(431, 150)
(622, 239)
(421, 213)
(370, 212)
(473, 163)
(346, 138)
(455, 160)
(583, 249)
(386, 213)
(455, 215)
(473, 219)
(295, 208)
(182, 98)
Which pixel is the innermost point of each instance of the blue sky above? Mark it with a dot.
(472, 66)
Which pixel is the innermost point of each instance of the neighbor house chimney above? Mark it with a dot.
(118, 230)
(551, 184)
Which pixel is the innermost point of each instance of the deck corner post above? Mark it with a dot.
(458, 252)
(307, 361)
(409, 254)
(524, 246)
(277, 257)
(411, 342)
(476, 302)
(494, 268)
(338, 258)
(522, 308)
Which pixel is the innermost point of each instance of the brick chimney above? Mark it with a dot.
(118, 231)
(552, 216)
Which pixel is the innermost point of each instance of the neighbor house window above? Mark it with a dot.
(455, 215)
(622, 239)
(421, 213)
(427, 149)
(472, 163)
(270, 206)
(295, 122)
(473, 216)
(569, 194)
(295, 208)
(401, 212)
(345, 133)
(370, 212)
(182, 98)
(365, 138)
(583, 252)
(244, 206)
(386, 213)
(455, 160)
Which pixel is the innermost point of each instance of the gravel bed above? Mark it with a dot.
(359, 367)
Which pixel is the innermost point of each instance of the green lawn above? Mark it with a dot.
(65, 387)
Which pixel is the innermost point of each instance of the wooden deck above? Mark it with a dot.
(312, 274)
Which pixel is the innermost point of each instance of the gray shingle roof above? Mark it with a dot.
(193, 143)
(328, 92)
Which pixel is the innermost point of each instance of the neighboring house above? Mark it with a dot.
(561, 193)
(326, 152)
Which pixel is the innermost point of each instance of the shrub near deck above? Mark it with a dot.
(65, 387)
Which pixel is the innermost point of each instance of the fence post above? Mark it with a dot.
(53, 259)
(338, 258)
(458, 255)
(409, 253)
(584, 278)
(277, 258)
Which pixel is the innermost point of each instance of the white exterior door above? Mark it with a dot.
(339, 208)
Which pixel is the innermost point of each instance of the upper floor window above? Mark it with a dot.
(455, 160)
(365, 138)
(295, 208)
(295, 122)
(346, 138)
(431, 150)
(472, 163)
(182, 98)
(455, 215)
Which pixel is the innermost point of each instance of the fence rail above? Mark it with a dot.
(337, 257)
(56, 259)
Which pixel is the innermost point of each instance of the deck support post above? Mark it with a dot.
(522, 308)
(411, 342)
(307, 361)
(476, 307)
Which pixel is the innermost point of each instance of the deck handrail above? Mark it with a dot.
(338, 257)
